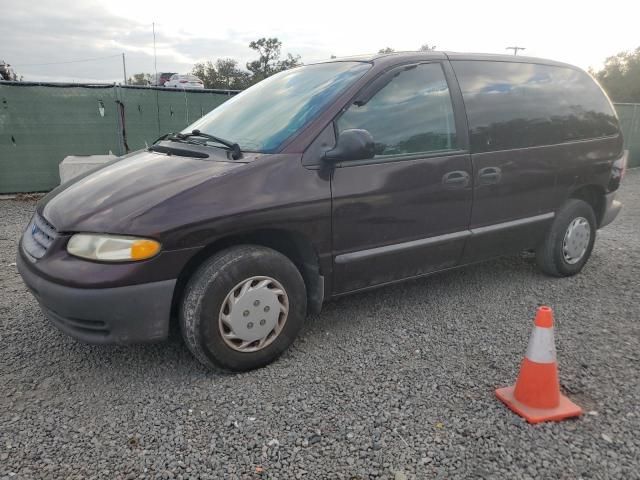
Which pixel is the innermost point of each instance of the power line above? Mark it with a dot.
(62, 63)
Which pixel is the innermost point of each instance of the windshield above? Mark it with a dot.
(262, 117)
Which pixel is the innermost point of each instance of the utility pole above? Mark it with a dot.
(155, 78)
(515, 49)
(124, 69)
(155, 58)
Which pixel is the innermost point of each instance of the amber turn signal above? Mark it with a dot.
(143, 249)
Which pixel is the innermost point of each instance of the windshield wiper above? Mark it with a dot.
(236, 153)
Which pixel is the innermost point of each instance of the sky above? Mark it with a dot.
(37, 32)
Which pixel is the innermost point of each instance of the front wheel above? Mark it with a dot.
(242, 308)
(569, 242)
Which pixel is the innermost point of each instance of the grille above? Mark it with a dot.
(39, 236)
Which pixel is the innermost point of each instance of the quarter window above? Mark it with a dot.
(516, 105)
(411, 114)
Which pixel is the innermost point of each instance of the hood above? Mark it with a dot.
(110, 199)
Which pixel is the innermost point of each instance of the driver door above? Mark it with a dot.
(405, 212)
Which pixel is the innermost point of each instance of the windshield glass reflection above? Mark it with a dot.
(262, 117)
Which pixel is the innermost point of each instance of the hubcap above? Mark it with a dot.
(253, 314)
(576, 240)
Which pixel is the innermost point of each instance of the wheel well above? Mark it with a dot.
(594, 195)
(294, 246)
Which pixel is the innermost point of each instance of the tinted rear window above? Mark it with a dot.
(517, 105)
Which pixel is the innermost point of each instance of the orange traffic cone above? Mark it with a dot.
(536, 395)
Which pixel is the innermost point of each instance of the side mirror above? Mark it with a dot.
(352, 144)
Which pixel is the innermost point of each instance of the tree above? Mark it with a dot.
(207, 73)
(7, 73)
(620, 76)
(269, 51)
(386, 50)
(139, 79)
(290, 62)
(230, 75)
(427, 48)
(224, 74)
(269, 61)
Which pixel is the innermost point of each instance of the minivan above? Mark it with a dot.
(324, 180)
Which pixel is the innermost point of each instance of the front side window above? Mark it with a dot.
(411, 114)
(262, 117)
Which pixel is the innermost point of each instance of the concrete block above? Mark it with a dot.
(75, 165)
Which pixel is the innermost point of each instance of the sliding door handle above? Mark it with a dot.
(489, 175)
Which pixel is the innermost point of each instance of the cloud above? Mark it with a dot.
(42, 32)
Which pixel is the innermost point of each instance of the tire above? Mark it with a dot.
(211, 294)
(551, 256)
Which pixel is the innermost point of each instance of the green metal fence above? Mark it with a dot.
(629, 114)
(42, 124)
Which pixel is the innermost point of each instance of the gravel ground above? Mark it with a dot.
(395, 383)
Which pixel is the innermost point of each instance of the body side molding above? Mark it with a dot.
(424, 242)
(513, 223)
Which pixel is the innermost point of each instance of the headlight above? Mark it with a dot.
(111, 248)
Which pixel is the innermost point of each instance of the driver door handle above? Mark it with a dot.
(457, 178)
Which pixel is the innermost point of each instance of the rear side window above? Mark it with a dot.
(517, 105)
(411, 114)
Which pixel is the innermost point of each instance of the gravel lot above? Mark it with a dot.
(395, 383)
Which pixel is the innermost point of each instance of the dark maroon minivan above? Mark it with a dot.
(324, 180)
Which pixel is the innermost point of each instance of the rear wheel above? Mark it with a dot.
(242, 308)
(569, 242)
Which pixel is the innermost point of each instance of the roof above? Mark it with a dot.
(501, 57)
(439, 55)
(370, 57)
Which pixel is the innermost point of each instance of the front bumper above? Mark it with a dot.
(612, 208)
(131, 314)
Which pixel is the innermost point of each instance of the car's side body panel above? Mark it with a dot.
(382, 211)
(367, 223)
(538, 131)
(199, 203)
(401, 216)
